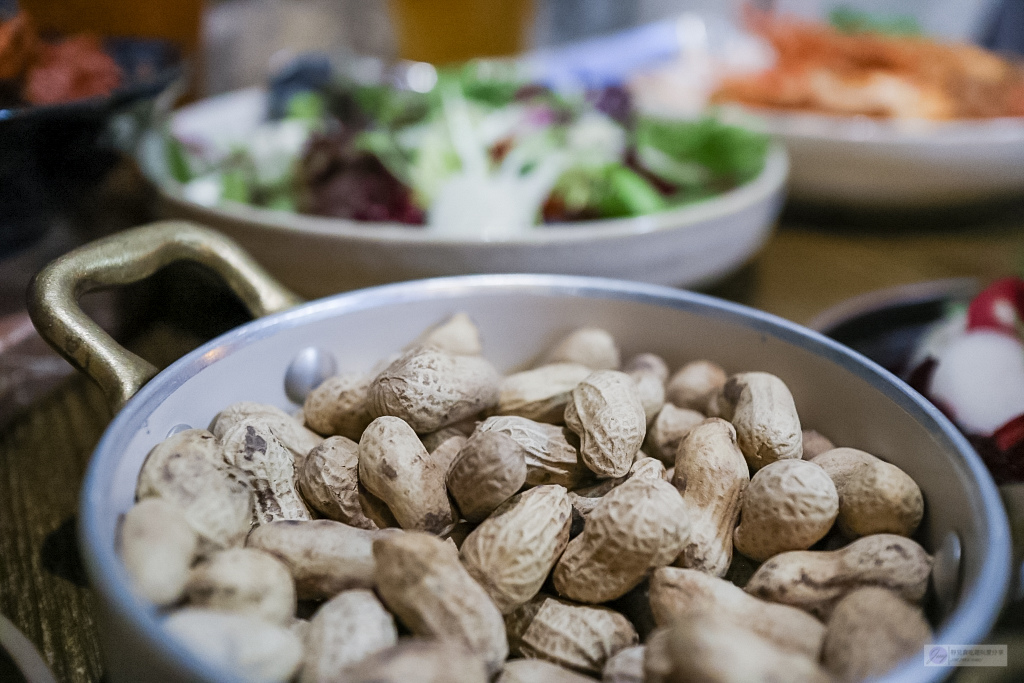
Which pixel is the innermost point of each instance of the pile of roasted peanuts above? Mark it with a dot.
(581, 519)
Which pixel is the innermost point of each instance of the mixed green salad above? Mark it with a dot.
(472, 150)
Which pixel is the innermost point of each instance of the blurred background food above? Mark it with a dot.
(873, 200)
(245, 39)
(313, 157)
(72, 107)
(34, 71)
(178, 22)
(611, 109)
(958, 343)
(422, 169)
(670, 60)
(462, 149)
(482, 219)
(860, 66)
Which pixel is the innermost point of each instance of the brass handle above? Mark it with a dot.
(128, 257)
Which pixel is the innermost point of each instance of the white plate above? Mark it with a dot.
(315, 256)
(871, 163)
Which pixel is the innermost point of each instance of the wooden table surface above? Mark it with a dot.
(804, 269)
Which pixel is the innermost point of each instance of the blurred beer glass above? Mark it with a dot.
(175, 20)
(447, 31)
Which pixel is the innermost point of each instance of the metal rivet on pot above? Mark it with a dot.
(946, 572)
(177, 429)
(306, 371)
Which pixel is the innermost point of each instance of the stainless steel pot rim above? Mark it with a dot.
(979, 603)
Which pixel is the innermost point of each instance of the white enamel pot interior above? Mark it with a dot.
(838, 392)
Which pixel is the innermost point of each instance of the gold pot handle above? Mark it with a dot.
(128, 257)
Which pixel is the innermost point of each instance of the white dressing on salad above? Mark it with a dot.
(274, 148)
(270, 152)
(501, 124)
(485, 202)
(433, 158)
(595, 140)
(205, 190)
(492, 205)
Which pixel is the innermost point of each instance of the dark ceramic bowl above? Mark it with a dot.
(53, 157)
(886, 325)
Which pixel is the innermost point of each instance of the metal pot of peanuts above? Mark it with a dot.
(512, 478)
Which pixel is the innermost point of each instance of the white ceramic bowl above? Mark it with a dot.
(869, 163)
(315, 256)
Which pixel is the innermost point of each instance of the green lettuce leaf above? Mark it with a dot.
(851, 21)
(729, 152)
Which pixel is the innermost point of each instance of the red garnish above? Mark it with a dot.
(1006, 465)
(1010, 434)
(999, 307)
(501, 148)
(73, 69)
(49, 73)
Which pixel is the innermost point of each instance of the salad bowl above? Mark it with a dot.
(688, 246)
(837, 391)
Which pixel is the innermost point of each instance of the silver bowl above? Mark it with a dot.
(838, 392)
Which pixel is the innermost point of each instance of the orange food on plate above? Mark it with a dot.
(821, 69)
(43, 72)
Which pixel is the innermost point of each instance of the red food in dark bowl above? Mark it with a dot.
(42, 72)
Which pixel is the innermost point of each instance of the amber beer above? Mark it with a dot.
(447, 31)
(174, 20)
